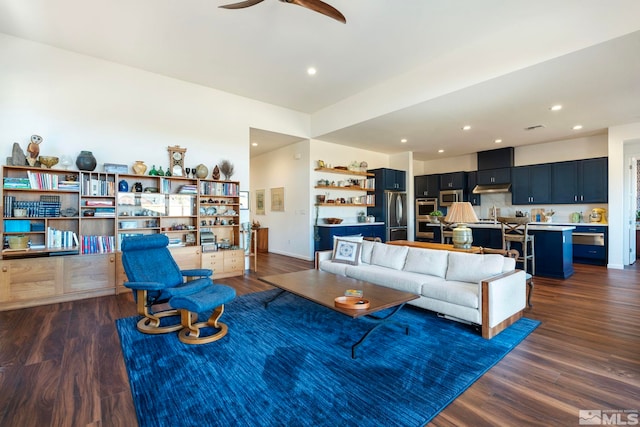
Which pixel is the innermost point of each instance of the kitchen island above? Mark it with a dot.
(324, 233)
(553, 245)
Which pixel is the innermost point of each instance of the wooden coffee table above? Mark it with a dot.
(322, 288)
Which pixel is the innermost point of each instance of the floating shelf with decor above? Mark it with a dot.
(364, 183)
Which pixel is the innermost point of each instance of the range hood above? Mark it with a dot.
(492, 188)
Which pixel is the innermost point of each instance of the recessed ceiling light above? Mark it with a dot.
(556, 107)
(498, 141)
(254, 144)
(403, 140)
(577, 127)
(311, 71)
(466, 127)
(441, 151)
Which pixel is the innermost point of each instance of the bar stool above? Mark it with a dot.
(513, 253)
(446, 232)
(516, 229)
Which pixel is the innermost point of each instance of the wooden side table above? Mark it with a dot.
(262, 235)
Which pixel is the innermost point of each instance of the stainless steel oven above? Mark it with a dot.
(424, 207)
(425, 229)
(448, 197)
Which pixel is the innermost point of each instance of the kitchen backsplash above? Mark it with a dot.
(503, 202)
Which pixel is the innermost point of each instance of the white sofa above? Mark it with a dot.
(484, 290)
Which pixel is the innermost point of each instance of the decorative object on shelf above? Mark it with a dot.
(18, 242)
(71, 177)
(69, 212)
(176, 161)
(277, 199)
(320, 198)
(461, 213)
(202, 171)
(362, 216)
(227, 169)
(115, 168)
(364, 166)
(34, 149)
(153, 171)
(333, 220)
(86, 161)
(66, 161)
(139, 168)
(137, 187)
(123, 186)
(160, 171)
(48, 161)
(168, 172)
(321, 164)
(17, 156)
(193, 172)
(216, 173)
(255, 224)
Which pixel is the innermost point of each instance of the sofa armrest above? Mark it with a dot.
(322, 256)
(503, 300)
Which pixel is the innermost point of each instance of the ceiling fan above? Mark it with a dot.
(315, 5)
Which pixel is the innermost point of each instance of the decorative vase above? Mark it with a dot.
(137, 187)
(160, 171)
(86, 161)
(123, 186)
(202, 171)
(216, 173)
(153, 171)
(139, 168)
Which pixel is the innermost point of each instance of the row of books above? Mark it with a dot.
(97, 187)
(218, 188)
(97, 244)
(19, 183)
(61, 238)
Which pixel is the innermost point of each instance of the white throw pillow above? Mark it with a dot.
(473, 268)
(390, 256)
(366, 251)
(352, 238)
(427, 261)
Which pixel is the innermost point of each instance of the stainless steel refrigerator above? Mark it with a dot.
(395, 215)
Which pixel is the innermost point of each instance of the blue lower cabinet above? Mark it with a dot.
(324, 235)
(594, 254)
(553, 249)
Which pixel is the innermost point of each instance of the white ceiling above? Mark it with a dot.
(415, 69)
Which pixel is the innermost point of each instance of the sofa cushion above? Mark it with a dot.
(366, 251)
(473, 268)
(383, 276)
(333, 267)
(454, 292)
(390, 256)
(427, 261)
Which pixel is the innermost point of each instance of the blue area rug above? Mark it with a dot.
(290, 365)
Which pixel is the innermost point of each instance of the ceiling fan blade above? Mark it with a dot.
(321, 7)
(241, 4)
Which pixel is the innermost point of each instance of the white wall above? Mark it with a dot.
(122, 114)
(287, 167)
(562, 150)
(619, 136)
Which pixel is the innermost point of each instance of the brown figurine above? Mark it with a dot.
(34, 149)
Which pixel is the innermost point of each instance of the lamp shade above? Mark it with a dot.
(460, 213)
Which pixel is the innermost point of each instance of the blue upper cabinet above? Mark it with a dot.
(580, 181)
(390, 179)
(531, 184)
(494, 176)
(427, 185)
(472, 181)
(453, 181)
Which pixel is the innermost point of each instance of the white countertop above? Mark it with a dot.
(349, 224)
(534, 226)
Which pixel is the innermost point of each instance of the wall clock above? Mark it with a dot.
(176, 160)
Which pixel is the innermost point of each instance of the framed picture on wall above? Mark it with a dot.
(259, 202)
(277, 199)
(244, 200)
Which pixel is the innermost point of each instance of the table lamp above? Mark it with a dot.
(461, 213)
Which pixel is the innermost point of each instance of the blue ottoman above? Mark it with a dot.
(210, 298)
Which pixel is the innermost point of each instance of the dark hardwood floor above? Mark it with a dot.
(61, 364)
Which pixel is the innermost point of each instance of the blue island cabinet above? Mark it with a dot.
(324, 234)
(553, 248)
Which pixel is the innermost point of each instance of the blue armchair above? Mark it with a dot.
(156, 279)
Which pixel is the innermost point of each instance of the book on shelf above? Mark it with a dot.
(90, 244)
(57, 239)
